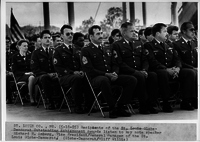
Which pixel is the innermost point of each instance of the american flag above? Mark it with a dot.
(15, 30)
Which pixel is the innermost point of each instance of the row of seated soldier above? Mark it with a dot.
(142, 64)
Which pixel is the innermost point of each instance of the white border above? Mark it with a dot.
(3, 61)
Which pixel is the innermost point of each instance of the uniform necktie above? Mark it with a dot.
(162, 44)
(131, 44)
(189, 43)
(46, 50)
(70, 48)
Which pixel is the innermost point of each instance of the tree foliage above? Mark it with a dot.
(114, 17)
(85, 25)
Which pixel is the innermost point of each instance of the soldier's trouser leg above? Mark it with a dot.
(8, 88)
(188, 81)
(128, 83)
(141, 88)
(76, 83)
(89, 98)
(104, 84)
(163, 83)
(46, 82)
(152, 87)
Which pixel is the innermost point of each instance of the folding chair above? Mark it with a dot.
(65, 98)
(129, 106)
(175, 98)
(44, 100)
(19, 85)
(96, 95)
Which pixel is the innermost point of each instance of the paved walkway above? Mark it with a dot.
(30, 113)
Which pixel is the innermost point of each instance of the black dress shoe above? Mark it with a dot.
(123, 113)
(186, 106)
(152, 110)
(113, 114)
(33, 104)
(194, 103)
(79, 110)
(144, 111)
(167, 108)
(51, 107)
(87, 110)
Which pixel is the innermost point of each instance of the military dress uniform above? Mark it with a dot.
(96, 62)
(9, 77)
(132, 59)
(66, 61)
(161, 57)
(187, 52)
(21, 65)
(41, 66)
(189, 59)
(169, 43)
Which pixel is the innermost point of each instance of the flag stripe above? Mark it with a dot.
(14, 33)
(15, 29)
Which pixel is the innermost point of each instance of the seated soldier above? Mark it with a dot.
(42, 67)
(165, 62)
(67, 64)
(103, 71)
(21, 67)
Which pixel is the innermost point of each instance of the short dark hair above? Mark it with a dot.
(141, 32)
(19, 43)
(115, 31)
(45, 32)
(170, 29)
(148, 31)
(54, 36)
(65, 27)
(90, 30)
(126, 24)
(184, 26)
(157, 28)
(76, 36)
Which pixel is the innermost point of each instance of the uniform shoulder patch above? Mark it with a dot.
(84, 60)
(115, 53)
(146, 52)
(55, 61)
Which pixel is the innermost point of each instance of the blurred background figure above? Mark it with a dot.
(38, 43)
(56, 40)
(115, 36)
(148, 34)
(141, 36)
(172, 33)
(78, 40)
(9, 54)
(21, 67)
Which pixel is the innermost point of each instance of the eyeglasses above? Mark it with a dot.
(118, 35)
(192, 30)
(68, 34)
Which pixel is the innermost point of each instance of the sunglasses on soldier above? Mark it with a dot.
(192, 29)
(68, 34)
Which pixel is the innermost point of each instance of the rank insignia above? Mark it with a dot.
(84, 60)
(55, 61)
(146, 52)
(115, 54)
